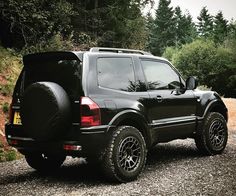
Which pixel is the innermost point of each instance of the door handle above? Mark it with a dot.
(159, 98)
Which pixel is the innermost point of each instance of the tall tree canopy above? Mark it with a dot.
(162, 33)
(220, 28)
(205, 24)
(185, 30)
(116, 23)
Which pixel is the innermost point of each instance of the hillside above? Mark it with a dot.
(10, 66)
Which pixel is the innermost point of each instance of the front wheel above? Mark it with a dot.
(125, 155)
(44, 162)
(214, 135)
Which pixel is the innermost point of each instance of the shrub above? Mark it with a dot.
(7, 89)
(211, 64)
(11, 155)
(5, 107)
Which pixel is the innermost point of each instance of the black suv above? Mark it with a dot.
(110, 105)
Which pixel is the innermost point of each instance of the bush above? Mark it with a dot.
(211, 64)
(55, 43)
(5, 107)
(7, 89)
(8, 155)
(170, 53)
(11, 155)
(204, 88)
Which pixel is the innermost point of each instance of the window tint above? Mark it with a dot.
(66, 73)
(116, 73)
(160, 75)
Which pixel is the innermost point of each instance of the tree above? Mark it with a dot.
(205, 24)
(220, 28)
(115, 23)
(149, 29)
(163, 32)
(28, 22)
(185, 30)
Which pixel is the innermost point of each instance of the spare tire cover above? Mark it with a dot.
(45, 111)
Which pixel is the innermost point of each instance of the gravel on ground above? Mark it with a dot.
(175, 168)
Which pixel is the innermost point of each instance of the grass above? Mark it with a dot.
(5, 107)
(8, 154)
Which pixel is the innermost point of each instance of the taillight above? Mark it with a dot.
(90, 113)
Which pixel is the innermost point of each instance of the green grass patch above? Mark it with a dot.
(10, 67)
(5, 107)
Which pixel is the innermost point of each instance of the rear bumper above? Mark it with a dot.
(80, 142)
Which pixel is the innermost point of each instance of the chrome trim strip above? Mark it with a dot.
(95, 127)
(92, 132)
(173, 120)
(172, 125)
(20, 138)
(15, 107)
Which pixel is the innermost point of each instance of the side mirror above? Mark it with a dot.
(191, 83)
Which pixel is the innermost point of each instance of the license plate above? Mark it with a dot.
(17, 119)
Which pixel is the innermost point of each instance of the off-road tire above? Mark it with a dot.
(44, 162)
(125, 155)
(212, 139)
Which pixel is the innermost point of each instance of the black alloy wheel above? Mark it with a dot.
(217, 134)
(129, 154)
(125, 155)
(212, 139)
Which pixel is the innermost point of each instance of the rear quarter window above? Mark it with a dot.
(116, 73)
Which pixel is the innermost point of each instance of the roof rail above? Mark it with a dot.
(118, 50)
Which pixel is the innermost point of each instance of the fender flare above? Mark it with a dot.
(213, 104)
(134, 117)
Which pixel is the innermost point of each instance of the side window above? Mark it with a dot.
(116, 73)
(160, 75)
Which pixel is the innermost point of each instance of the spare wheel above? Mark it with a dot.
(45, 111)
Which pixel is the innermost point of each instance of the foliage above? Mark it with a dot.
(55, 43)
(205, 24)
(31, 21)
(170, 28)
(170, 52)
(5, 107)
(31, 24)
(220, 28)
(10, 66)
(162, 34)
(8, 155)
(211, 64)
(185, 29)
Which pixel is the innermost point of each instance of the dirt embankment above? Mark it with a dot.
(231, 105)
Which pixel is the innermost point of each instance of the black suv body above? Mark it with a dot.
(111, 106)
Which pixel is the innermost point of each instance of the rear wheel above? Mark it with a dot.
(125, 155)
(44, 162)
(214, 135)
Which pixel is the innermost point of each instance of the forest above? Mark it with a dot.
(205, 48)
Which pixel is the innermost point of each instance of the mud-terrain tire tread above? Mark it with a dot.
(108, 166)
(202, 139)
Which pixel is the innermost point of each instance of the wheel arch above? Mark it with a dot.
(217, 106)
(134, 119)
